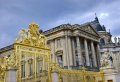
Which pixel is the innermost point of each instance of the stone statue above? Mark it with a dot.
(115, 39)
(32, 37)
(106, 60)
(23, 35)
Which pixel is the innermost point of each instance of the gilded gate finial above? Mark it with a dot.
(32, 36)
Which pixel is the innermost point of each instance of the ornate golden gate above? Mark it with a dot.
(2, 73)
(32, 63)
(32, 58)
(33, 55)
(65, 75)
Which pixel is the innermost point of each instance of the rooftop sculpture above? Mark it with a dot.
(32, 37)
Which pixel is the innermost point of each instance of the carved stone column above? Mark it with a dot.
(98, 54)
(11, 75)
(86, 53)
(93, 54)
(79, 51)
(73, 49)
(55, 77)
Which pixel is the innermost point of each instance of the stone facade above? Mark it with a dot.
(74, 46)
(77, 46)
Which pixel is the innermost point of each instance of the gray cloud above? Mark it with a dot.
(17, 14)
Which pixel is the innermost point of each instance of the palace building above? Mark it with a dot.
(63, 53)
(74, 46)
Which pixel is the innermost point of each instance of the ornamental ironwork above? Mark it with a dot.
(32, 59)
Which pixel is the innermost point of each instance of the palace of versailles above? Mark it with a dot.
(66, 53)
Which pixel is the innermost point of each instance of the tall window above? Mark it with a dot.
(30, 62)
(23, 69)
(60, 60)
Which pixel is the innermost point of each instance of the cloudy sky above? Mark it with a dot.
(17, 14)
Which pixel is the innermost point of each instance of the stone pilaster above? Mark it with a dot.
(66, 48)
(53, 51)
(64, 51)
(86, 53)
(70, 51)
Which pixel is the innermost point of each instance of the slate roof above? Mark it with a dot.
(6, 48)
(97, 26)
(60, 27)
